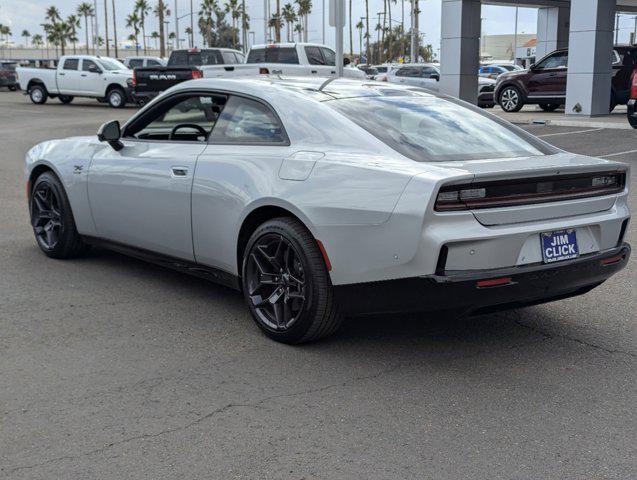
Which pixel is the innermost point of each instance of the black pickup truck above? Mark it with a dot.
(148, 82)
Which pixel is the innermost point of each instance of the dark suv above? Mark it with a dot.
(544, 83)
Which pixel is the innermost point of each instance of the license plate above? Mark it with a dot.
(559, 245)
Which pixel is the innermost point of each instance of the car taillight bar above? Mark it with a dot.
(134, 78)
(633, 85)
(196, 73)
(493, 282)
(264, 71)
(612, 260)
(507, 193)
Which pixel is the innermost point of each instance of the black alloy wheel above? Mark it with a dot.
(276, 281)
(52, 219)
(286, 283)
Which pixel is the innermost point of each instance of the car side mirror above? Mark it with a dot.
(94, 69)
(435, 76)
(532, 67)
(110, 133)
(346, 62)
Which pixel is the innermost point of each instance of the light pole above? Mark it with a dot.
(515, 37)
(96, 31)
(176, 27)
(323, 18)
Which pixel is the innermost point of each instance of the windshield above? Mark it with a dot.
(428, 128)
(111, 64)
(273, 55)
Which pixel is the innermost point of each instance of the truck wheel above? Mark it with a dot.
(116, 98)
(511, 100)
(38, 94)
(65, 99)
(13, 88)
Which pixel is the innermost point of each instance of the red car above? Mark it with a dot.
(632, 103)
(544, 83)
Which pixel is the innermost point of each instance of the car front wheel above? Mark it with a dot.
(286, 283)
(52, 219)
(511, 100)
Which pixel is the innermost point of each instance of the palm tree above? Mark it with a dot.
(5, 31)
(208, 8)
(143, 8)
(114, 28)
(53, 14)
(359, 27)
(275, 22)
(154, 36)
(26, 35)
(85, 10)
(161, 10)
(298, 28)
(74, 23)
(233, 8)
(36, 41)
(189, 33)
(289, 15)
(132, 21)
(108, 51)
(304, 9)
(245, 21)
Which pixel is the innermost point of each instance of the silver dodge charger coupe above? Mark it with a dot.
(322, 198)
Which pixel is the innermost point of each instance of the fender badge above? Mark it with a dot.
(77, 169)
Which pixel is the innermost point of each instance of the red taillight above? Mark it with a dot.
(493, 282)
(612, 260)
(264, 71)
(134, 79)
(633, 85)
(197, 74)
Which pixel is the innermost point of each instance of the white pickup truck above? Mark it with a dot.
(290, 59)
(103, 78)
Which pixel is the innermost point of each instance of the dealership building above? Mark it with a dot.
(586, 27)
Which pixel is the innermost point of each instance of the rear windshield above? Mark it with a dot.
(111, 64)
(431, 129)
(203, 57)
(7, 66)
(273, 55)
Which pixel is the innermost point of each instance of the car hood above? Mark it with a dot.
(485, 81)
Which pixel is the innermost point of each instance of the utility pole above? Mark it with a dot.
(414, 32)
(192, 27)
(108, 51)
(323, 21)
(616, 28)
(114, 30)
(176, 27)
(96, 30)
(515, 36)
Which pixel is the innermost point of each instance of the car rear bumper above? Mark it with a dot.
(632, 112)
(458, 291)
(143, 97)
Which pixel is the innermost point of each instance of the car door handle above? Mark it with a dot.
(314, 71)
(553, 75)
(179, 171)
(84, 74)
(61, 74)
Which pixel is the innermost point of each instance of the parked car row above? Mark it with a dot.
(7, 74)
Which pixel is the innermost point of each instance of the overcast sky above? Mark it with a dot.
(29, 14)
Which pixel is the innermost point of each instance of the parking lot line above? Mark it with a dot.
(569, 133)
(618, 153)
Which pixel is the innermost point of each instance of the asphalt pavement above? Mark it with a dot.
(111, 368)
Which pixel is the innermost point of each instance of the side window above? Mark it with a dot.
(178, 58)
(71, 64)
(89, 66)
(182, 118)
(153, 63)
(404, 72)
(329, 56)
(208, 57)
(256, 55)
(246, 121)
(426, 72)
(135, 63)
(228, 57)
(314, 56)
(557, 60)
(240, 57)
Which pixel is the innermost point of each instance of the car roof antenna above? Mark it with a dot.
(326, 83)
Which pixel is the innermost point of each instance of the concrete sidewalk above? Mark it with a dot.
(531, 114)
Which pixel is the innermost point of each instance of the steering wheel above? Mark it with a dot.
(194, 126)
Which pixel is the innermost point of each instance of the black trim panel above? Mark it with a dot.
(202, 271)
(458, 291)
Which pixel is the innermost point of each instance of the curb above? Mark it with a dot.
(577, 123)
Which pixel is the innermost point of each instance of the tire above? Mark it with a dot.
(549, 107)
(38, 94)
(13, 88)
(286, 284)
(116, 98)
(511, 99)
(65, 99)
(52, 219)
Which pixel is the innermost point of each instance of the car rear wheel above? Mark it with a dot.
(13, 88)
(52, 219)
(38, 94)
(549, 107)
(286, 283)
(65, 99)
(511, 100)
(116, 98)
